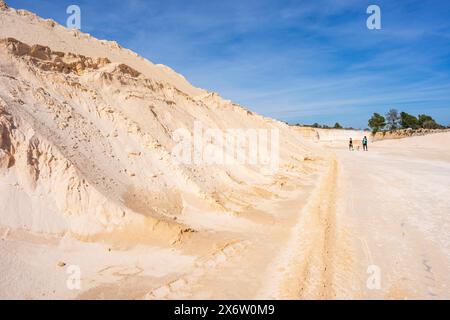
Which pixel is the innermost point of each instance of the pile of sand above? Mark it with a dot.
(87, 130)
(87, 134)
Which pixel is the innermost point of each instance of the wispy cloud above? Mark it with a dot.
(300, 61)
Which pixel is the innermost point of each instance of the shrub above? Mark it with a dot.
(408, 121)
(377, 122)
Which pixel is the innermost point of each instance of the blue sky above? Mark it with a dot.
(297, 61)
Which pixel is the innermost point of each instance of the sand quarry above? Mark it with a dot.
(87, 183)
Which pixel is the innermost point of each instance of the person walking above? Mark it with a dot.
(364, 143)
(350, 145)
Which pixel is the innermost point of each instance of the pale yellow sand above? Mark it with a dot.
(376, 208)
(86, 181)
(87, 178)
(394, 212)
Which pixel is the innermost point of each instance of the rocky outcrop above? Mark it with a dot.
(48, 60)
(404, 133)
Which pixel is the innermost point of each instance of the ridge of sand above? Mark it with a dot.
(29, 28)
(303, 269)
(70, 103)
(86, 172)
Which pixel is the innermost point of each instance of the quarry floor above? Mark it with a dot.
(394, 209)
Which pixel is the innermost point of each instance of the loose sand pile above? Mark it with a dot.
(87, 130)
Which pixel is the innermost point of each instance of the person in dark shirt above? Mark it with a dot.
(364, 143)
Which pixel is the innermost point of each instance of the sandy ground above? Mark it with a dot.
(394, 209)
(219, 265)
(381, 211)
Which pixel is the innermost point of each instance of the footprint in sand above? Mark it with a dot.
(430, 279)
(174, 288)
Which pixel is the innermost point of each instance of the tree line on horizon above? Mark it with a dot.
(394, 120)
(337, 125)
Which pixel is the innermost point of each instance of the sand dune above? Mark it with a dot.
(87, 134)
(88, 182)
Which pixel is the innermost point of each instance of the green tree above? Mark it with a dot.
(430, 124)
(337, 126)
(408, 121)
(393, 119)
(377, 122)
(422, 118)
(427, 122)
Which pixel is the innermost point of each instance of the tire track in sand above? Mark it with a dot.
(305, 268)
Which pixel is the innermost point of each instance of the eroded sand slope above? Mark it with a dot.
(87, 178)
